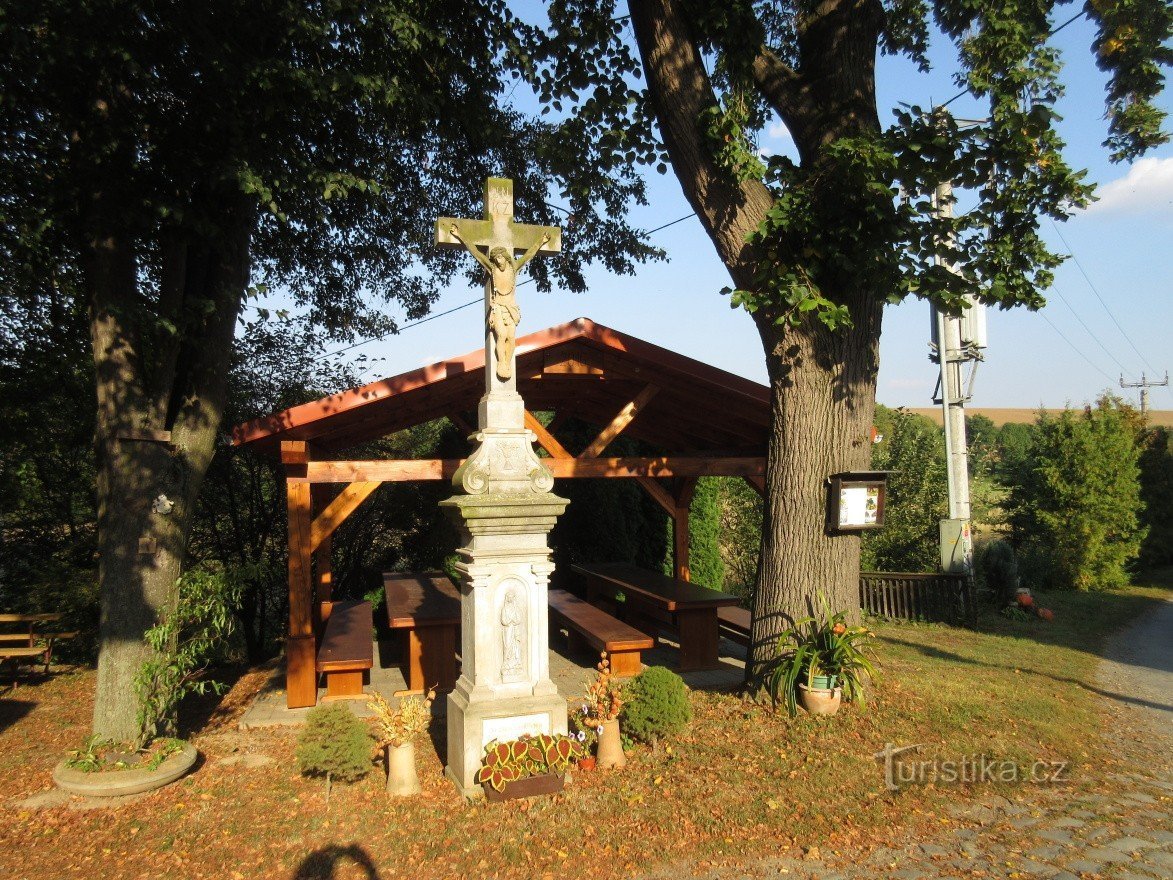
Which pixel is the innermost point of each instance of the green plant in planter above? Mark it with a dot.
(823, 645)
(527, 756)
(655, 704)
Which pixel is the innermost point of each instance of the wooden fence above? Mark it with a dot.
(915, 596)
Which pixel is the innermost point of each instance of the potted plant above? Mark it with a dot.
(600, 713)
(395, 732)
(820, 661)
(527, 766)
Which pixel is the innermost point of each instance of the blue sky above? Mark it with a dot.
(1069, 353)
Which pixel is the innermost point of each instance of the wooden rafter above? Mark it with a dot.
(621, 421)
(339, 509)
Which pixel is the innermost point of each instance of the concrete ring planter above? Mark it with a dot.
(118, 783)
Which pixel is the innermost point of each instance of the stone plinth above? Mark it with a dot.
(504, 689)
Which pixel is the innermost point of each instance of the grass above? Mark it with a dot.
(742, 783)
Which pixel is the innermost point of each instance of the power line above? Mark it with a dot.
(1074, 347)
(1090, 333)
(1088, 279)
(475, 301)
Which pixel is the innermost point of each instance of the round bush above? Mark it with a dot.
(334, 743)
(655, 705)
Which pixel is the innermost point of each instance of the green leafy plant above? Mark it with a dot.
(655, 705)
(99, 755)
(334, 744)
(183, 643)
(821, 645)
(527, 756)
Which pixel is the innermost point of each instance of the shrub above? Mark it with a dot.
(655, 705)
(997, 566)
(334, 743)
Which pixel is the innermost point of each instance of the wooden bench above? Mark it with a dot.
(586, 624)
(31, 644)
(427, 607)
(346, 651)
(734, 623)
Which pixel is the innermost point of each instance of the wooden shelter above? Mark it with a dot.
(707, 422)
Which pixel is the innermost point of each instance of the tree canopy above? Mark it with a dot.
(816, 247)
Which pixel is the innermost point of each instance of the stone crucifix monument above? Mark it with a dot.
(504, 510)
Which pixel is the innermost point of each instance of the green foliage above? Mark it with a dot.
(740, 535)
(1075, 503)
(982, 440)
(996, 565)
(1156, 491)
(1013, 449)
(527, 756)
(705, 564)
(655, 705)
(913, 449)
(334, 743)
(821, 645)
(184, 642)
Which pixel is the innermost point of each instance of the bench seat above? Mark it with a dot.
(590, 625)
(347, 649)
(734, 623)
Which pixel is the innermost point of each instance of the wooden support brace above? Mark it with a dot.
(621, 421)
(338, 510)
(682, 498)
(758, 483)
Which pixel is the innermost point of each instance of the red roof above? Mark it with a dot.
(581, 366)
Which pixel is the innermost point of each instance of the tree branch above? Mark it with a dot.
(681, 94)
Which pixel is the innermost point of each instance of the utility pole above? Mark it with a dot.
(958, 339)
(1144, 385)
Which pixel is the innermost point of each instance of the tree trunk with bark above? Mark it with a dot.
(160, 384)
(822, 382)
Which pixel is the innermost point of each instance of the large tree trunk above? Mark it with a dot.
(822, 382)
(823, 390)
(174, 385)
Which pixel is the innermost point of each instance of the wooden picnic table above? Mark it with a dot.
(691, 607)
(23, 645)
(427, 606)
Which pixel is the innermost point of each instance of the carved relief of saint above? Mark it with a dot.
(504, 312)
(512, 633)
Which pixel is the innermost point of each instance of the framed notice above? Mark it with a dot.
(856, 501)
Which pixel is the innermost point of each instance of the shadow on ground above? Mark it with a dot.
(322, 864)
(11, 711)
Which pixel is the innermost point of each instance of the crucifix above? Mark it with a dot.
(504, 510)
(494, 241)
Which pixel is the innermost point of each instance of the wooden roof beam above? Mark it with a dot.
(621, 421)
(406, 470)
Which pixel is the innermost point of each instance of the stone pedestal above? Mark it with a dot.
(504, 689)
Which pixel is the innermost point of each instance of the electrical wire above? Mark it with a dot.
(1076, 348)
(1090, 333)
(1088, 279)
(473, 302)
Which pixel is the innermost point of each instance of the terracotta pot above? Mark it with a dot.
(610, 754)
(818, 701)
(531, 786)
(402, 778)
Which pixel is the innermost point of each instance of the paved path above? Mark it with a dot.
(1125, 834)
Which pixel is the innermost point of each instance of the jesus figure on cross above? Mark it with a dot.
(504, 312)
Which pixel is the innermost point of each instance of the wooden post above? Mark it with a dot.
(682, 499)
(301, 680)
(323, 575)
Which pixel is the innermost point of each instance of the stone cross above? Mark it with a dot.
(504, 510)
(500, 238)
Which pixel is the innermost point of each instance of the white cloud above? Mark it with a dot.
(1146, 188)
(779, 132)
